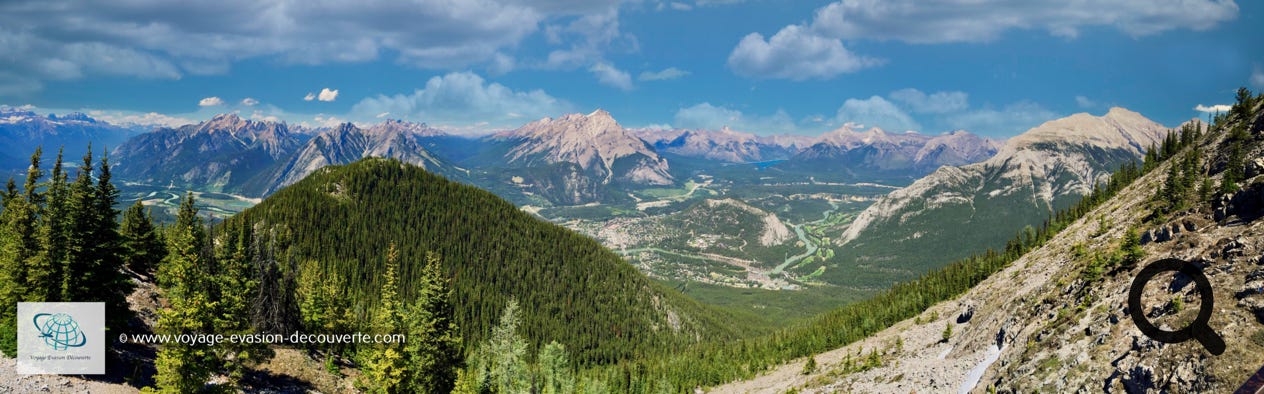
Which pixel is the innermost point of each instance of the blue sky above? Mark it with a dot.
(804, 67)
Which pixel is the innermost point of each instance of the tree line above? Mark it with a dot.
(61, 241)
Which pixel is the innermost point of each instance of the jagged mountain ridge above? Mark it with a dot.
(348, 143)
(1032, 175)
(22, 130)
(726, 144)
(221, 154)
(594, 142)
(574, 159)
(877, 151)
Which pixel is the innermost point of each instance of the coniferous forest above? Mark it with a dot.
(60, 240)
(492, 299)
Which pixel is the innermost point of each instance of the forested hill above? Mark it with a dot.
(341, 220)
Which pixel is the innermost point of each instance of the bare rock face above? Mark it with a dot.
(222, 153)
(348, 143)
(1032, 173)
(572, 157)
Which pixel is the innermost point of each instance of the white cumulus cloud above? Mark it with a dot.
(464, 99)
(795, 53)
(67, 39)
(249, 102)
(815, 49)
(210, 102)
(327, 94)
(932, 22)
(309, 97)
(1213, 108)
(876, 111)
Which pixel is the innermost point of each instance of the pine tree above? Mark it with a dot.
(21, 219)
(385, 365)
(77, 271)
(11, 289)
(53, 231)
(555, 375)
(1173, 189)
(19, 246)
(507, 354)
(236, 289)
(185, 281)
(434, 343)
(142, 248)
(1131, 247)
(810, 366)
(276, 308)
(1244, 103)
(322, 308)
(112, 285)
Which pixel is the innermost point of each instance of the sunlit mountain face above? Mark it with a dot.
(636, 196)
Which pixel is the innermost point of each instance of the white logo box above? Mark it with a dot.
(61, 338)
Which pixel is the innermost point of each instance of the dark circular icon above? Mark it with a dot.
(1199, 329)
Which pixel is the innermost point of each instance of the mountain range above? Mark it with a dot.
(877, 152)
(726, 144)
(574, 159)
(21, 130)
(225, 153)
(1032, 175)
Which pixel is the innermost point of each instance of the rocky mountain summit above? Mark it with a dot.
(575, 158)
(348, 143)
(223, 153)
(1031, 176)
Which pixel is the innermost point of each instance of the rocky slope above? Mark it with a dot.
(1046, 323)
(220, 154)
(572, 159)
(877, 152)
(1032, 175)
(348, 143)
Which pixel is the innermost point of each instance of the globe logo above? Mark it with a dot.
(60, 331)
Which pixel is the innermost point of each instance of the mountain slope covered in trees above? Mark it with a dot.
(341, 220)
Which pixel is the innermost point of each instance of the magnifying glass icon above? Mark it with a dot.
(1199, 329)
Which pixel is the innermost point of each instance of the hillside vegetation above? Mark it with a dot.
(338, 223)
